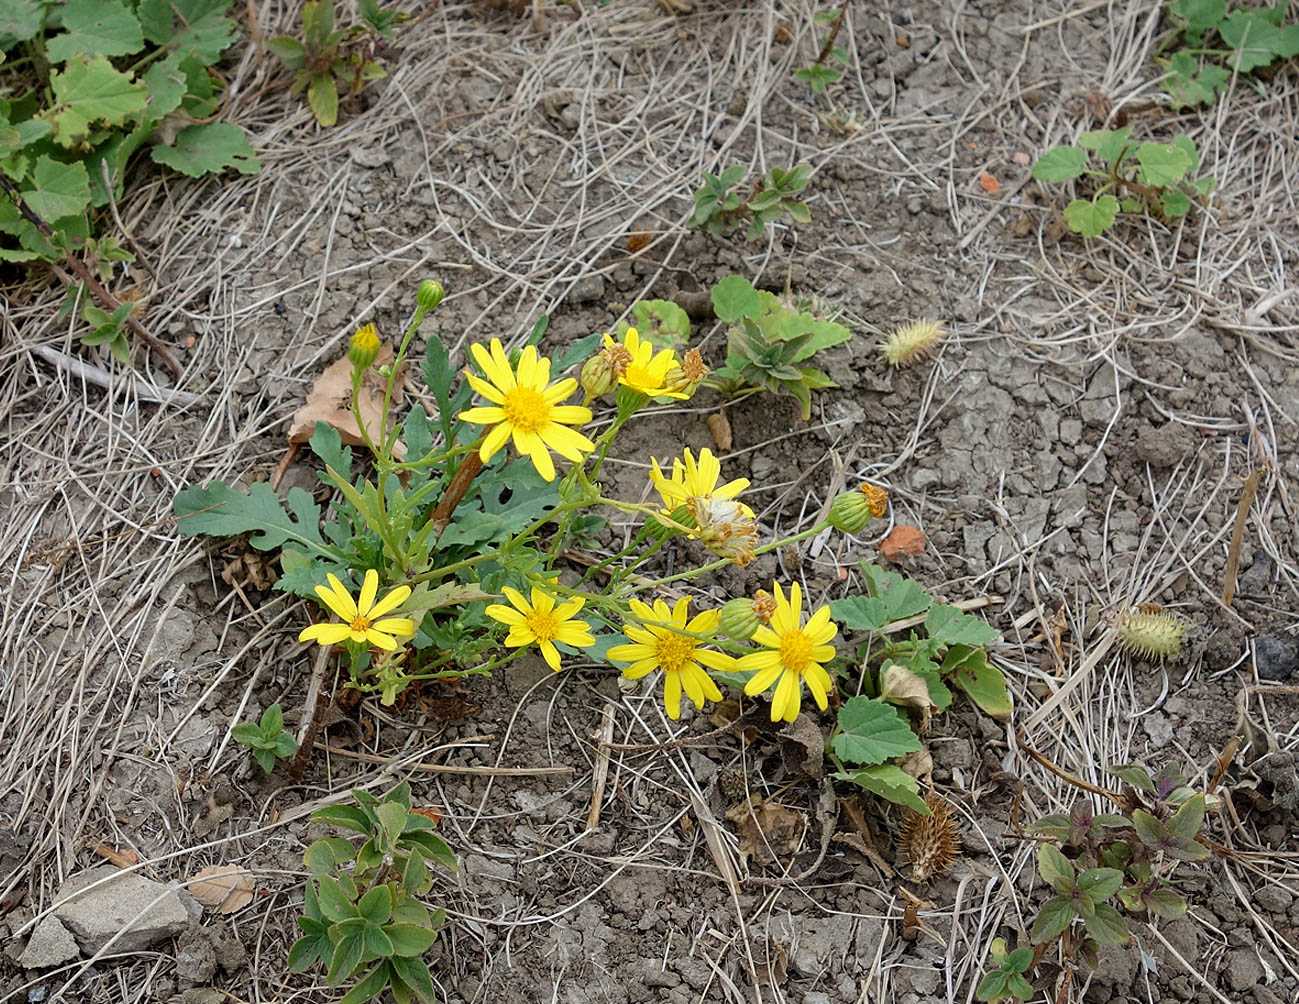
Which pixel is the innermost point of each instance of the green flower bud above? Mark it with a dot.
(429, 295)
(739, 619)
(598, 377)
(364, 348)
(629, 401)
(849, 512)
(659, 530)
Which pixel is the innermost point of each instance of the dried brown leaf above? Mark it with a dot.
(768, 831)
(123, 857)
(720, 426)
(224, 888)
(330, 401)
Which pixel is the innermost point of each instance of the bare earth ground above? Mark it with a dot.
(1078, 446)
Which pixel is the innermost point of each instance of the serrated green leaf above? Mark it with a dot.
(1108, 143)
(221, 511)
(1056, 914)
(1091, 219)
(952, 626)
(734, 297)
(1056, 869)
(1107, 926)
(19, 21)
(1175, 203)
(167, 83)
(208, 148)
(91, 90)
(1061, 163)
(1188, 83)
(1162, 164)
(872, 732)
(96, 28)
(889, 782)
(1129, 204)
(59, 189)
(1255, 38)
(1199, 15)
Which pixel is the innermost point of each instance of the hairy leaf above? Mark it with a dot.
(96, 28)
(208, 148)
(872, 732)
(890, 782)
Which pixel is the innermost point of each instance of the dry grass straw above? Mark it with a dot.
(96, 677)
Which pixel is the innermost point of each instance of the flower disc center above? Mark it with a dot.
(526, 409)
(795, 651)
(673, 651)
(542, 624)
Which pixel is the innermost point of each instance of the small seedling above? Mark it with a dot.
(769, 341)
(1155, 178)
(328, 59)
(820, 73)
(1249, 39)
(1104, 868)
(365, 923)
(719, 209)
(1006, 980)
(268, 740)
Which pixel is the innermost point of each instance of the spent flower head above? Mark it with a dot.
(525, 406)
(686, 376)
(645, 371)
(671, 640)
(363, 620)
(542, 622)
(726, 527)
(794, 654)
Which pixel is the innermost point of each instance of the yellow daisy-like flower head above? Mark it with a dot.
(794, 655)
(542, 622)
(646, 371)
(726, 526)
(525, 406)
(363, 619)
(664, 639)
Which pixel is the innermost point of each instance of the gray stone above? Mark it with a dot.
(50, 945)
(1277, 657)
(145, 911)
(1244, 970)
(1165, 445)
(588, 289)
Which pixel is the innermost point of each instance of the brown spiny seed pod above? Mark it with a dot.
(877, 498)
(1151, 632)
(930, 844)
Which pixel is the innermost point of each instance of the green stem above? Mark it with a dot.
(723, 562)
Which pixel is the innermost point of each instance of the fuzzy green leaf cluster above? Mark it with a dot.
(1224, 43)
(362, 918)
(771, 340)
(266, 738)
(329, 62)
(108, 76)
(719, 209)
(1159, 179)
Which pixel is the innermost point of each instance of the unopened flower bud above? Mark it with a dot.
(660, 530)
(430, 294)
(739, 619)
(685, 376)
(598, 376)
(364, 348)
(849, 512)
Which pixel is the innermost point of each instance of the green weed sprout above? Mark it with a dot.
(1155, 178)
(1249, 39)
(87, 85)
(362, 918)
(770, 341)
(328, 59)
(719, 209)
(1105, 867)
(820, 73)
(268, 740)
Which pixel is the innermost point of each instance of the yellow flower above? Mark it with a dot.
(795, 653)
(646, 371)
(726, 526)
(364, 347)
(658, 642)
(541, 622)
(363, 620)
(526, 405)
